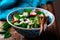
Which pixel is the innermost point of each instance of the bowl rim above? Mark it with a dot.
(29, 28)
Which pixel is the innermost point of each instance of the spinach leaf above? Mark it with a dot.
(31, 18)
(28, 10)
(17, 16)
(43, 13)
(23, 25)
(38, 12)
(23, 17)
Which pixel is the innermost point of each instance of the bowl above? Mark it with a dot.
(33, 32)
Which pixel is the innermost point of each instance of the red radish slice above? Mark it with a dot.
(33, 13)
(14, 19)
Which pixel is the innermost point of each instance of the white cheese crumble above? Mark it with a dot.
(41, 15)
(27, 21)
(21, 19)
(21, 15)
(25, 14)
(21, 22)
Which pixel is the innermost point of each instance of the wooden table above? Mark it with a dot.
(49, 34)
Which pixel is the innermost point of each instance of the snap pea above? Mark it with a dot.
(5, 30)
(6, 25)
(7, 34)
(2, 32)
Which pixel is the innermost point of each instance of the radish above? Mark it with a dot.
(33, 13)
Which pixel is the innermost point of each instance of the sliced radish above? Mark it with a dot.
(14, 19)
(33, 13)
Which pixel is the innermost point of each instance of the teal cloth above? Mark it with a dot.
(6, 6)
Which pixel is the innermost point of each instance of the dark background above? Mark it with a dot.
(57, 14)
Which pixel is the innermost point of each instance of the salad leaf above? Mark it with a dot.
(38, 12)
(28, 10)
(23, 17)
(23, 25)
(17, 16)
(43, 13)
(31, 18)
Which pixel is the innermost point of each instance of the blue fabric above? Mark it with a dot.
(6, 6)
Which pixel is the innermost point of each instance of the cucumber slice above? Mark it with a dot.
(16, 23)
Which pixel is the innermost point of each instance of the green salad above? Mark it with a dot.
(27, 19)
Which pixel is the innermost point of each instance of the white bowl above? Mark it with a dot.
(30, 32)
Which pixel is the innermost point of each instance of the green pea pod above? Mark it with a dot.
(7, 34)
(6, 25)
(2, 32)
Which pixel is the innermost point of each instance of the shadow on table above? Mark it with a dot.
(45, 36)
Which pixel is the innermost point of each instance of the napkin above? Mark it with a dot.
(6, 6)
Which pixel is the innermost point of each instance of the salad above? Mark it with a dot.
(28, 18)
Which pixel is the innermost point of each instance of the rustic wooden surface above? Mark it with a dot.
(17, 36)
